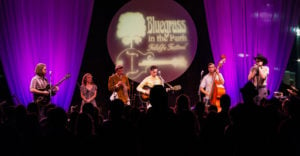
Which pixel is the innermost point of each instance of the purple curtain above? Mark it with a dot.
(49, 31)
(240, 29)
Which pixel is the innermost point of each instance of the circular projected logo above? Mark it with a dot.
(152, 32)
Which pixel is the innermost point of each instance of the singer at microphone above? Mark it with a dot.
(257, 71)
(258, 76)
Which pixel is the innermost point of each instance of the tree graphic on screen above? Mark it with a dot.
(131, 28)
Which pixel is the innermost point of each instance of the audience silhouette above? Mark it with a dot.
(242, 129)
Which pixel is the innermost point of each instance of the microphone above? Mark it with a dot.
(202, 72)
(50, 72)
(159, 73)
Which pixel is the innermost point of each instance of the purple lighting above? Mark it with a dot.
(50, 31)
(241, 29)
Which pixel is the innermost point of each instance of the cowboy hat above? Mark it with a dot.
(261, 58)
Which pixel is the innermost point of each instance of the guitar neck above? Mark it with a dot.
(168, 85)
(62, 80)
(58, 83)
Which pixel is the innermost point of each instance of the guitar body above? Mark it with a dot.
(41, 99)
(145, 97)
(45, 99)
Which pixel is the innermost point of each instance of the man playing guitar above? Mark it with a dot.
(38, 86)
(148, 82)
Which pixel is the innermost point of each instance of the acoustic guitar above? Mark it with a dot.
(44, 99)
(145, 97)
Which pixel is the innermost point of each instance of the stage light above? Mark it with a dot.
(242, 55)
(296, 30)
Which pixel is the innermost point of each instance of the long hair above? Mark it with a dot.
(83, 81)
(39, 69)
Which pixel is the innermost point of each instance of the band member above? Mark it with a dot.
(148, 82)
(88, 90)
(119, 83)
(213, 77)
(40, 87)
(292, 90)
(258, 75)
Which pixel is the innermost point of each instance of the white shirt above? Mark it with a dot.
(207, 82)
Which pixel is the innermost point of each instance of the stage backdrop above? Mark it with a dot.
(50, 31)
(241, 29)
(152, 32)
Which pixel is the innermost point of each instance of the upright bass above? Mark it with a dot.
(217, 89)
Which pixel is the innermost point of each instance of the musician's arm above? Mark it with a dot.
(82, 94)
(203, 91)
(36, 91)
(93, 97)
(55, 90)
(263, 72)
(139, 88)
(127, 84)
(202, 86)
(251, 74)
(111, 84)
(33, 86)
(220, 78)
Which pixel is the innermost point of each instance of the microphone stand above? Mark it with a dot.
(50, 91)
(114, 92)
(163, 81)
(132, 95)
(199, 92)
(257, 78)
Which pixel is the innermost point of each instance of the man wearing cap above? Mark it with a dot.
(119, 83)
(258, 75)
